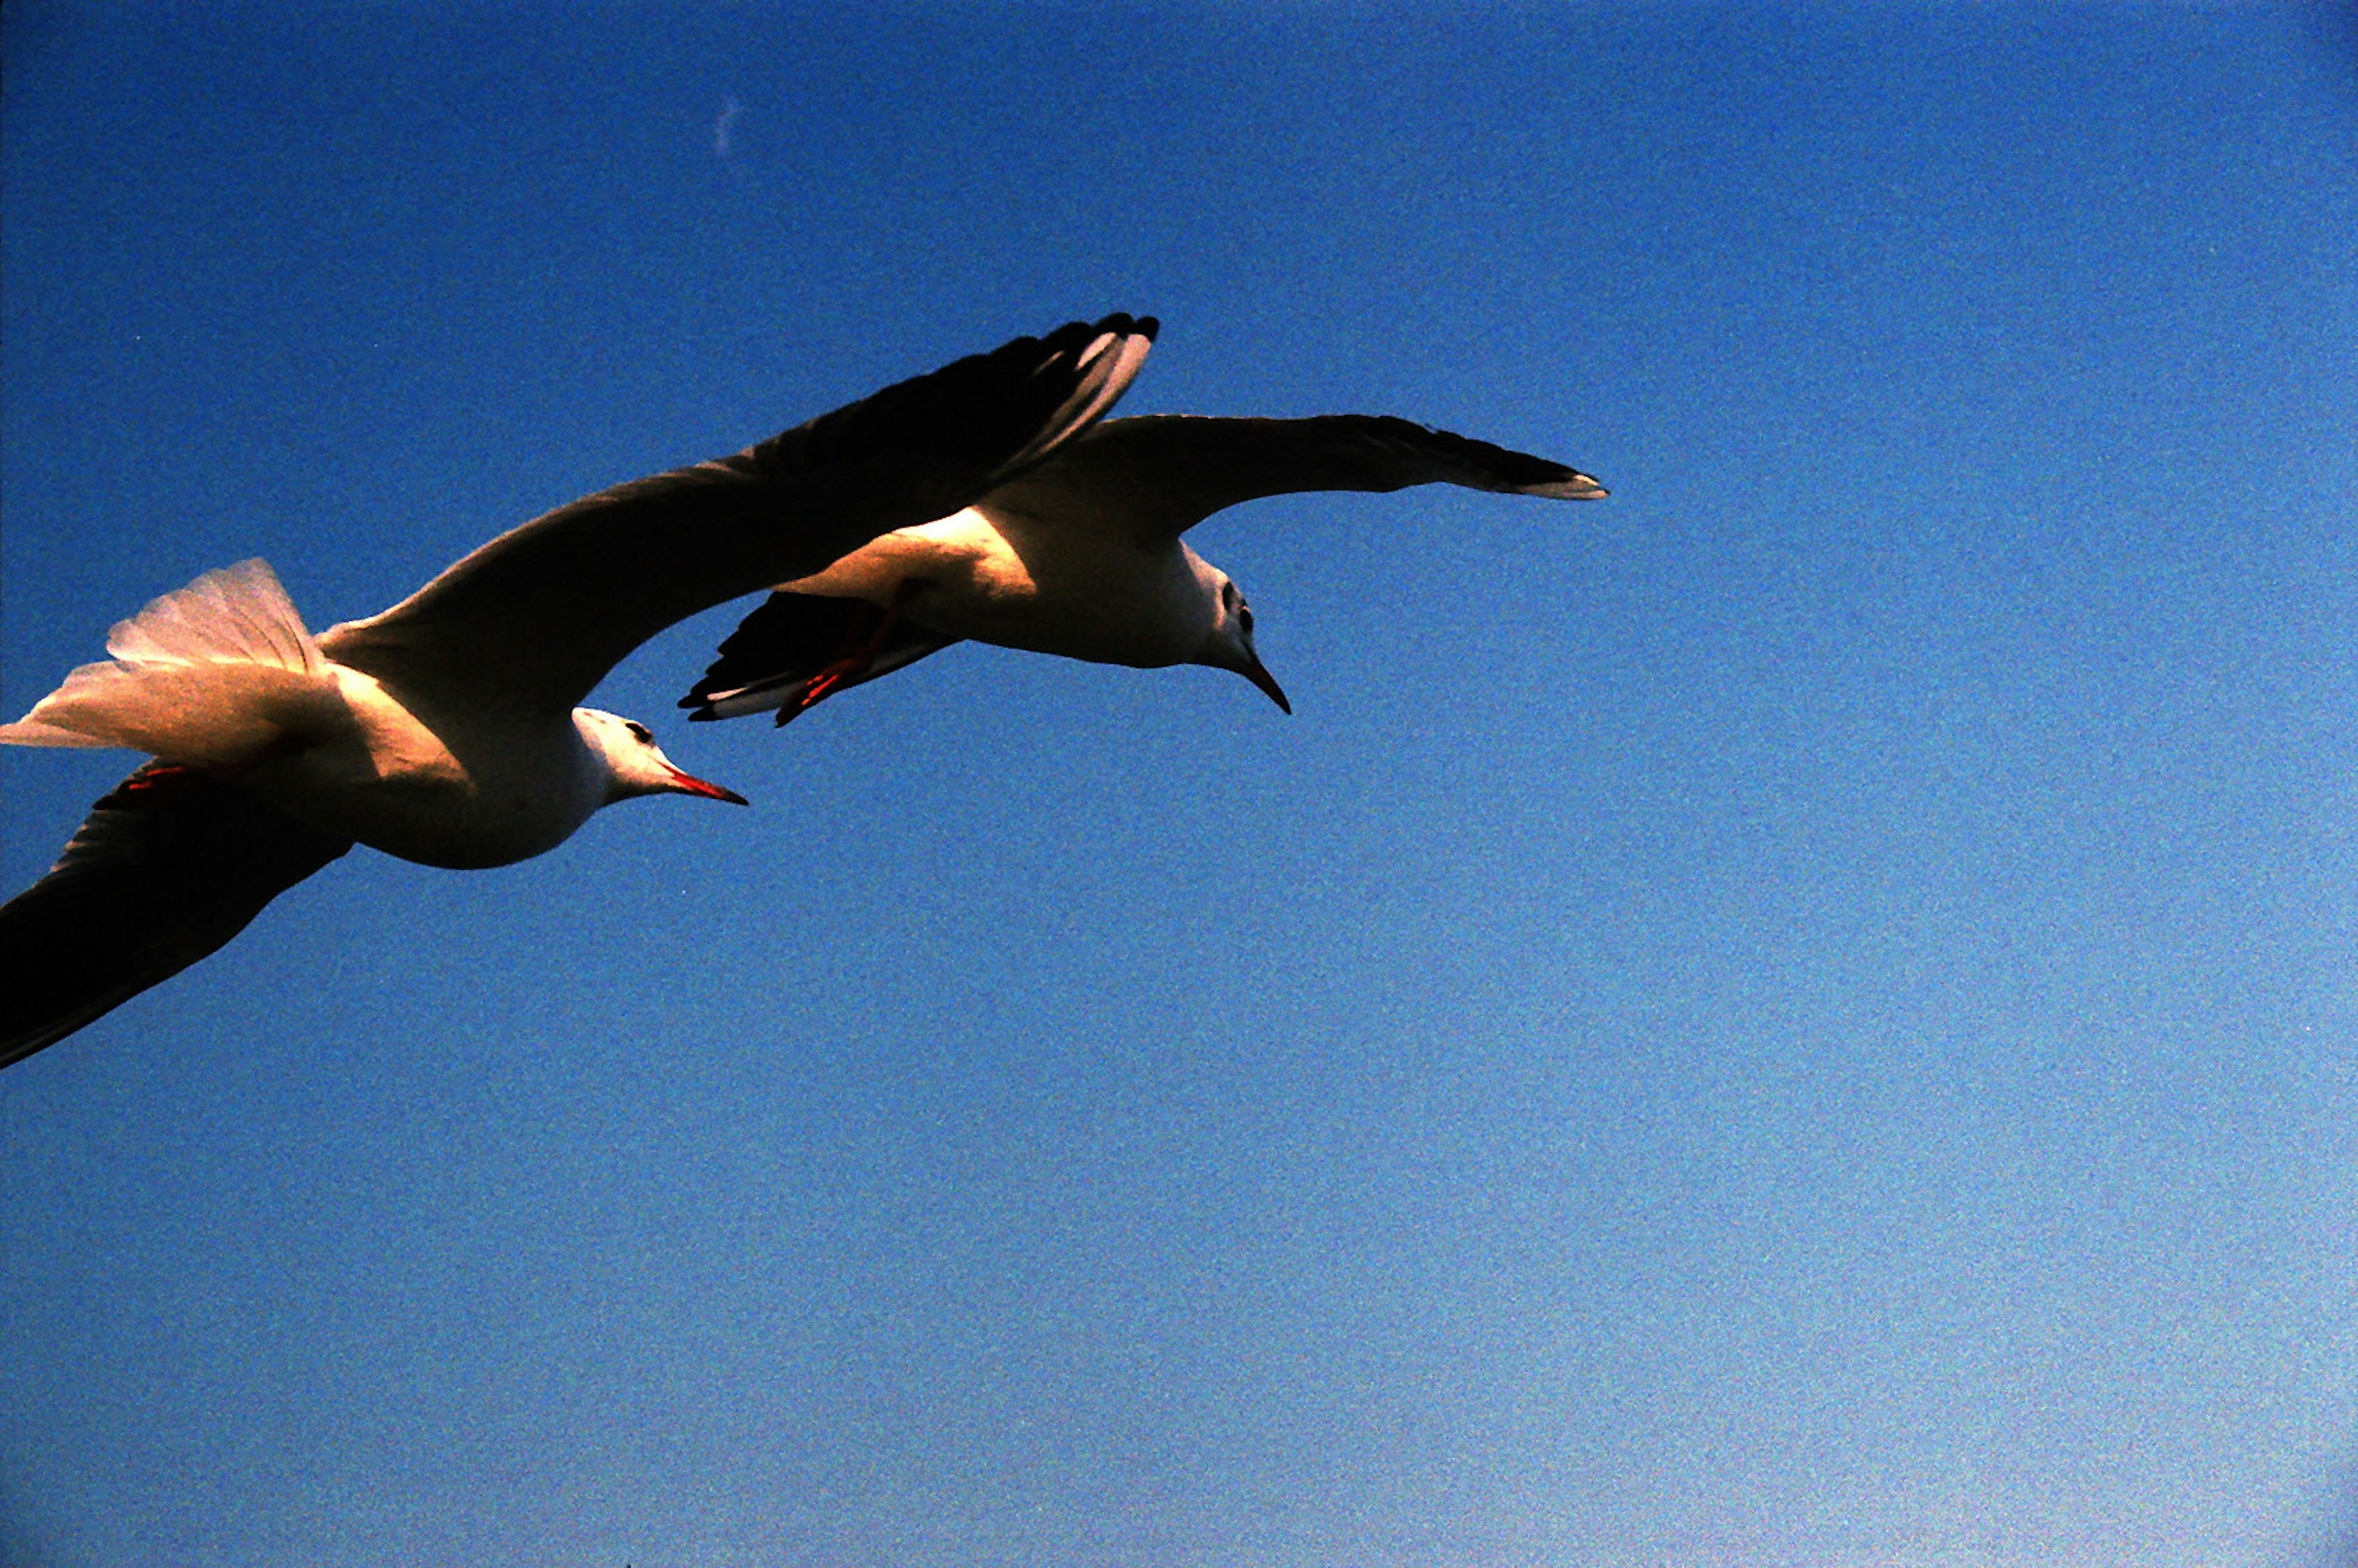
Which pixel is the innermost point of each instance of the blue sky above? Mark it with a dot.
(1801, 1014)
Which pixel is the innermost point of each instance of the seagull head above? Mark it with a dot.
(1230, 644)
(635, 765)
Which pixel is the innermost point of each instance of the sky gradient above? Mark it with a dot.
(1802, 1014)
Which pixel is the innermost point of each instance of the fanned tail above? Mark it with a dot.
(209, 674)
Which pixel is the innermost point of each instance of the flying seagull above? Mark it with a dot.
(1081, 554)
(444, 731)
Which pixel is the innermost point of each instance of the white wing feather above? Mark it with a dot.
(209, 674)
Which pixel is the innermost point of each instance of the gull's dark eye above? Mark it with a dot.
(644, 736)
(1227, 596)
(1244, 617)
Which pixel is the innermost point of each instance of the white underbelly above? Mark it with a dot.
(506, 794)
(1068, 592)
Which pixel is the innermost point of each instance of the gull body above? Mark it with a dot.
(1021, 582)
(221, 679)
(471, 796)
(448, 730)
(1081, 556)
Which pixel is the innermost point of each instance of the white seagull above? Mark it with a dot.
(1081, 554)
(444, 731)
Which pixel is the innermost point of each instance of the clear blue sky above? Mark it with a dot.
(1804, 1014)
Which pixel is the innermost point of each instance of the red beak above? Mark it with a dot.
(688, 784)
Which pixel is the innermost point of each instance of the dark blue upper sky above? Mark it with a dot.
(1801, 1014)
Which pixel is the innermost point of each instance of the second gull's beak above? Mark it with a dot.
(1257, 673)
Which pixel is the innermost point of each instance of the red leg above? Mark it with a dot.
(855, 658)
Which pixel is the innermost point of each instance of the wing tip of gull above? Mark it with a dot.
(1102, 370)
(1574, 486)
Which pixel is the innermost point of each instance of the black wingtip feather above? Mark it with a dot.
(975, 411)
(1499, 469)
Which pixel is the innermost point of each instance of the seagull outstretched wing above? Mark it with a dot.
(1152, 477)
(167, 868)
(536, 617)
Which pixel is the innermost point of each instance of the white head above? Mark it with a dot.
(1229, 644)
(635, 765)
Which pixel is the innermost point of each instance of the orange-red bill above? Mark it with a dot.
(688, 784)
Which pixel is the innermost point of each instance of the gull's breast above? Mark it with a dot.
(459, 790)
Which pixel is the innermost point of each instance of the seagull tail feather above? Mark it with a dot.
(208, 675)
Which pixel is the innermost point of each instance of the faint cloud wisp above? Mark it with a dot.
(730, 110)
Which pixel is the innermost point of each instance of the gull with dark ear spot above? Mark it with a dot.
(448, 730)
(1081, 554)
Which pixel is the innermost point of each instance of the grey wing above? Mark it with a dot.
(542, 612)
(167, 868)
(1154, 477)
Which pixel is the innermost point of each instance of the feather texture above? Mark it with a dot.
(209, 674)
